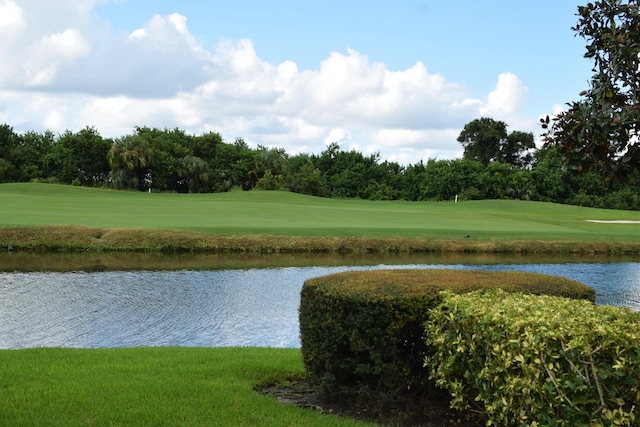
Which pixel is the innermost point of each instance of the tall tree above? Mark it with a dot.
(234, 165)
(169, 147)
(32, 155)
(486, 140)
(130, 159)
(600, 132)
(482, 138)
(518, 149)
(81, 157)
(194, 170)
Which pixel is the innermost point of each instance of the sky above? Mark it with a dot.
(400, 78)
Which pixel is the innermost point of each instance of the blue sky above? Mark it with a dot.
(400, 78)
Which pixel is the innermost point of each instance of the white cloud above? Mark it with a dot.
(508, 98)
(11, 18)
(340, 136)
(49, 53)
(160, 75)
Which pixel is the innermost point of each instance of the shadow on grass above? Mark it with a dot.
(429, 410)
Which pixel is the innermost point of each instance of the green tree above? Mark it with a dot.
(194, 170)
(209, 148)
(234, 164)
(504, 181)
(444, 179)
(385, 181)
(206, 146)
(33, 154)
(348, 173)
(411, 181)
(81, 157)
(8, 141)
(486, 140)
(169, 147)
(551, 182)
(269, 168)
(518, 149)
(600, 131)
(308, 180)
(304, 177)
(130, 159)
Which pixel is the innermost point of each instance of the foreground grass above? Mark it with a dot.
(44, 216)
(150, 386)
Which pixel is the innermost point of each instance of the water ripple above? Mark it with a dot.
(251, 307)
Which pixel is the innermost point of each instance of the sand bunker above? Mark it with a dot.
(616, 221)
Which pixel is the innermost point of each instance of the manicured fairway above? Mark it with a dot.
(283, 213)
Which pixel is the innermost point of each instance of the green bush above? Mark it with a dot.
(537, 360)
(365, 330)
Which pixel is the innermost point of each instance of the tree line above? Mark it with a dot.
(495, 165)
(591, 155)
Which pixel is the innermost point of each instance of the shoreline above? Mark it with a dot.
(73, 239)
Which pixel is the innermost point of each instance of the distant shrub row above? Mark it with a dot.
(365, 330)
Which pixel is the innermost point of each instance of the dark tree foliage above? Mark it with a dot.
(304, 177)
(486, 140)
(444, 179)
(8, 141)
(600, 132)
(80, 158)
(131, 160)
(350, 174)
(172, 160)
(32, 155)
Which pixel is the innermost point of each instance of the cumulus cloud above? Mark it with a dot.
(507, 100)
(76, 72)
(52, 51)
(11, 18)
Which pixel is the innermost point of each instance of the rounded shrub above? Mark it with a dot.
(364, 330)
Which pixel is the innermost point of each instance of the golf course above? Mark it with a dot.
(57, 217)
(217, 386)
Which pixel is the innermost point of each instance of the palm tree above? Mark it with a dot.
(195, 170)
(139, 159)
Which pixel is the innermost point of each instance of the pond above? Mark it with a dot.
(218, 305)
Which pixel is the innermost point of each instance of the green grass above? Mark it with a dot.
(150, 386)
(192, 386)
(289, 214)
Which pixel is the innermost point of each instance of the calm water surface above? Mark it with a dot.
(209, 308)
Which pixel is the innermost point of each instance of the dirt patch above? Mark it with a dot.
(407, 411)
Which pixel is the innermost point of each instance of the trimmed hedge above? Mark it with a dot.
(365, 329)
(537, 360)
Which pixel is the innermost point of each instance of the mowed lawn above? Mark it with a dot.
(162, 386)
(283, 213)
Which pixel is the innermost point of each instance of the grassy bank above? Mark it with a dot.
(150, 386)
(52, 217)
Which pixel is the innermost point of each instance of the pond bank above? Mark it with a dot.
(88, 239)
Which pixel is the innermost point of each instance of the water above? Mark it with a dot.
(209, 308)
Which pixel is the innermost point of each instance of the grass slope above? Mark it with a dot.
(290, 214)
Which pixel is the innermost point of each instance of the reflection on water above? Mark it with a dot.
(211, 308)
(115, 261)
